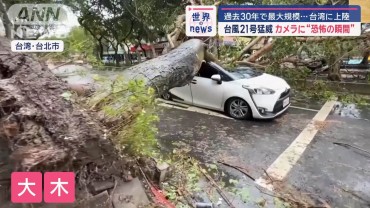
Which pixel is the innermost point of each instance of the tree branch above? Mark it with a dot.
(249, 46)
(268, 47)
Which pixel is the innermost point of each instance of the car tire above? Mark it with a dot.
(167, 96)
(238, 108)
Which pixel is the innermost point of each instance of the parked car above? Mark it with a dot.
(355, 63)
(242, 93)
(108, 59)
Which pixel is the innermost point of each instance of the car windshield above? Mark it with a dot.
(244, 73)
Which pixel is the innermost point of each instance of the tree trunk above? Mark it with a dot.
(174, 69)
(265, 49)
(101, 49)
(6, 21)
(249, 46)
(153, 51)
(142, 49)
(334, 68)
(366, 55)
(128, 60)
(116, 55)
(138, 56)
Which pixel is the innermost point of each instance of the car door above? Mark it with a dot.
(182, 94)
(206, 92)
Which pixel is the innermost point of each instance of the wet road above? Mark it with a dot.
(336, 174)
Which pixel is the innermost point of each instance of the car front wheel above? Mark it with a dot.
(239, 109)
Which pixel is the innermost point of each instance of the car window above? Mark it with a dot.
(225, 77)
(206, 71)
(245, 73)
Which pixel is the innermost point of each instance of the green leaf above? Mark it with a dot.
(232, 181)
(67, 95)
(212, 166)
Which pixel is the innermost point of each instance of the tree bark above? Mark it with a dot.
(116, 54)
(366, 55)
(173, 37)
(153, 50)
(267, 48)
(141, 46)
(174, 69)
(101, 48)
(6, 21)
(249, 46)
(334, 68)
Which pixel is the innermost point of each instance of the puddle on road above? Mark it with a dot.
(344, 110)
(351, 111)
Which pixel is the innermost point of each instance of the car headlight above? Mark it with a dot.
(259, 90)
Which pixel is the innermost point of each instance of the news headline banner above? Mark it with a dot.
(289, 20)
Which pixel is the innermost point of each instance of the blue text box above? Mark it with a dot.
(289, 13)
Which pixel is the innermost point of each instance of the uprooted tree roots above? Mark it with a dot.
(39, 129)
(42, 130)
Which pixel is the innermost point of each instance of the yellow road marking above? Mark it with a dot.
(279, 169)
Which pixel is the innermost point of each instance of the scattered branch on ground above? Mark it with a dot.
(241, 169)
(291, 195)
(352, 146)
(220, 191)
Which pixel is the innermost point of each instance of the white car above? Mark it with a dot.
(242, 93)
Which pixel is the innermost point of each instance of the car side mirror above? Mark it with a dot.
(217, 78)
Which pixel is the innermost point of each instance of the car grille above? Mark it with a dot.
(278, 106)
(284, 94)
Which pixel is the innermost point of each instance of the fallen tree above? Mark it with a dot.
(174, 69)
(45, 131)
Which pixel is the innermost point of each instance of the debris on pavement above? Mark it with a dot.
(99, 186)
(100, 200)
(218, 188)
(294, 197)
(163, 169)
(241, 169)
(203, 205)
(159, 197)
(130, 195)
(352, 146)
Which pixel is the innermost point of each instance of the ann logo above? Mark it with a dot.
(44, 14)
(30, 21)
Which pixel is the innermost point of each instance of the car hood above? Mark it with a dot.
(265, 80)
